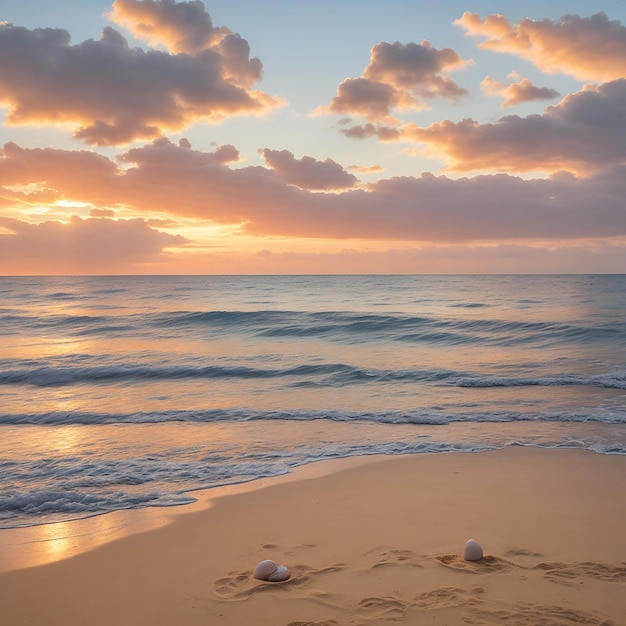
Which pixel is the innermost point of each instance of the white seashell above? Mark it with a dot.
(279, 575)
(473, 551)
(264, 570)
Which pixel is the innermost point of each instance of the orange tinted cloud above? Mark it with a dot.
(179, 181)
(102, 213)
(517, 93)
(592, 48)
(111, 94)
(80, 246)
(186, 27)
(399, 76)
(180, 26)
(366, 169)
(583, 132)
(15, 197)
(308, 173)
(73, 174)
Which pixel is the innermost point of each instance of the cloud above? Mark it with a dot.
(82, 246)
(363, 131)
(592, 48)
(179, 26)
(416, 67)
(110, 93)
(399, 76)
(102, 213)
(166, 180)
(366, 169)
(160, 176)
(79, 173)
(367, 98)
(584, 132)
(13, 197)
(517, 93)
(186, 27)
(308, 173)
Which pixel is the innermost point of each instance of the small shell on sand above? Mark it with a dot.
(264, 569)
(279, 575)
(268, 570)
(472, 551)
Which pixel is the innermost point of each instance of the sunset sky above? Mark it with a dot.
(336, 136)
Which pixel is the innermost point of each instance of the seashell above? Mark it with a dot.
(264, 569)
(279, 575)
(472, 551)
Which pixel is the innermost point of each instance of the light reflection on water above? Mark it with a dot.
(46, 543)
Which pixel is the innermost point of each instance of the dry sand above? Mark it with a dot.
(375, 542)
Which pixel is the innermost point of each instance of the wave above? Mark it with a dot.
(33, 373)
(76, 324)
(59, 376)
(334, 325)
(18, 509)
(607, 381)
(430, 417)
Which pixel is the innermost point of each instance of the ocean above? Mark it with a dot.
(127, 392)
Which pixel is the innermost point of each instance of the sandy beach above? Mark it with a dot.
(368, 541)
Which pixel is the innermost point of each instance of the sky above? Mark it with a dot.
(327, 137)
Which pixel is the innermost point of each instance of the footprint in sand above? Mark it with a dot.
(541, 615)
(523, 552)
(486, 565)
(393, 608)
(235, 585)
(386, 556)
(447, 597)
(564, 572)
(383, 608)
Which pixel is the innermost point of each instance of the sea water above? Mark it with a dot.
(127, 392)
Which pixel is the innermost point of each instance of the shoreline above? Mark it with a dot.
(43, 544)
(368, 540)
